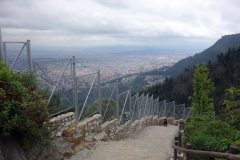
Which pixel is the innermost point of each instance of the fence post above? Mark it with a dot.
(130, 109)
(75, 88)
(183, 111)
(179, 140)
(1, 46)
(173, 110)
(138, 113)
(233, 149)
(157, 106)
(99, 93)
(117, 104)
(151, 110)
(175, 151)
(188, 146)
(165, 107)
(5, 53)
(147, 105)
(29, 56)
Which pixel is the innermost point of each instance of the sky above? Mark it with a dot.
(189, 24)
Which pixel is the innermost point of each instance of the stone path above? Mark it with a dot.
(153, 143)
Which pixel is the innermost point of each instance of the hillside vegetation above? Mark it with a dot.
(211, 53)
(223, 73)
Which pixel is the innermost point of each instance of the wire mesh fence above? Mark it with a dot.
(162, 111)
(109, 102)
(145, 105)
(54, 79)
(179, 111)
(155, 107)
(170, 109)
(16, 56)
(124, 111)
(141, 106)
(87, 95)
(134, 107)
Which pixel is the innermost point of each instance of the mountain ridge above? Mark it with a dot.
(220, 46)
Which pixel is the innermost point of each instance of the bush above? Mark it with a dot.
(209, 135)
(22, 111)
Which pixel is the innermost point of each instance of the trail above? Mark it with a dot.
(153, 143)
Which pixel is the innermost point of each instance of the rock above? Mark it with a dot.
(101, 137)
(89, 146)
(89, 138)
(59, 134)
(78, 148)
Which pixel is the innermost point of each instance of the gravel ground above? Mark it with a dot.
(153, 143)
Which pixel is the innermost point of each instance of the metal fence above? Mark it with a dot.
(162, 108)
(109, 95)
(170, 109)
(17, 55)
(54, 78)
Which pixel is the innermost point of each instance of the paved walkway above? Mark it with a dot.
(153, 143)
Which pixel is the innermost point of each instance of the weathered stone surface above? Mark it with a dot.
(150, 120)
(90, 138)
(176, 122)
(171, 120)
(101, 136)
(78, 148)
(63, 123)
(160, 121)
(155, 120)
(59, 134)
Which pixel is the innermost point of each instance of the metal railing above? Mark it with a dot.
(17, 55)
(54, 78)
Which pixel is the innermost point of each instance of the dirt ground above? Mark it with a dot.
(153, 143)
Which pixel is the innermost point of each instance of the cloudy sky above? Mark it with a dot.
(84, 23)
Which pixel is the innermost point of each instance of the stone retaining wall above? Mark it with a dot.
(61, 123)
(110, 128)
(87, 129)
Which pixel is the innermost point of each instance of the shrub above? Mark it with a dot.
(22, 111)
(209, 136)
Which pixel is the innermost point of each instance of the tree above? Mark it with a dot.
(202, 87)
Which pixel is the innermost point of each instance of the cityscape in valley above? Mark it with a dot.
(111, 66)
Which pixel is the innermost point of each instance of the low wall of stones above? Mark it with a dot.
(61, 123)
(87, 129)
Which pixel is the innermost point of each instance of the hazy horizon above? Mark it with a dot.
(186, 25)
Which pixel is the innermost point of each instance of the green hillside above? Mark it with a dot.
(221, 46)
(223, 73)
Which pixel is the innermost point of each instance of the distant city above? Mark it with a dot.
(111, 65)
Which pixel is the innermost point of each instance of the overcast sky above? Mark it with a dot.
(164, 23)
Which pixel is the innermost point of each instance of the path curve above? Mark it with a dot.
(153, 143)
